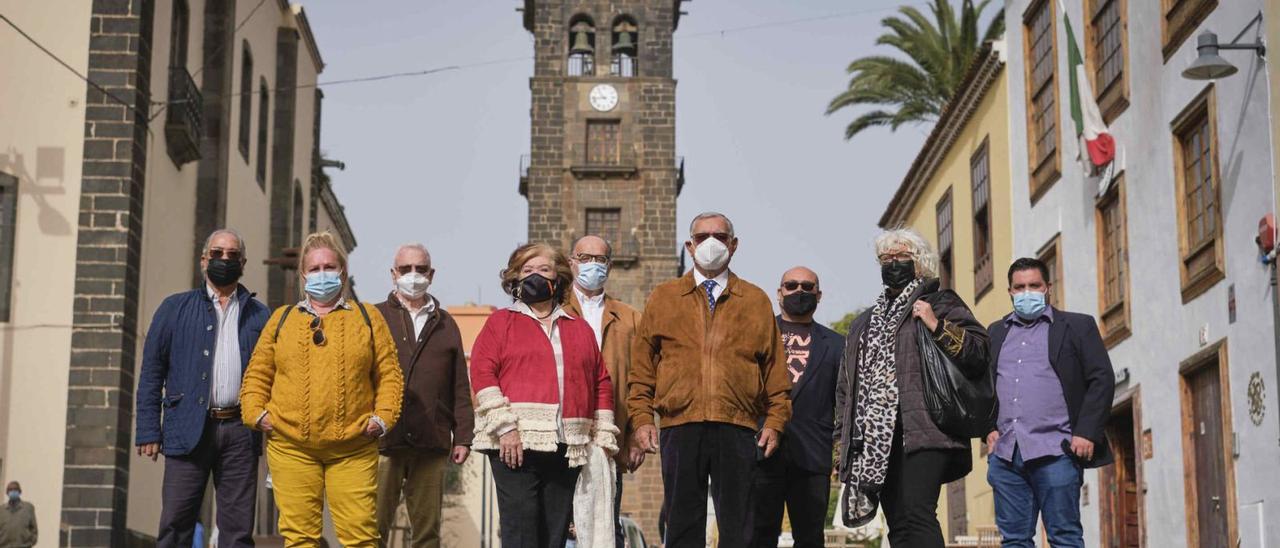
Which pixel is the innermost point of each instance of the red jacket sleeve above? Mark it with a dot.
(486, 354)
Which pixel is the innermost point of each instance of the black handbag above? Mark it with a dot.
(959, 406)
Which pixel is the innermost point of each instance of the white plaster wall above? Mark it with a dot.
(41, 143)
(1165, 331)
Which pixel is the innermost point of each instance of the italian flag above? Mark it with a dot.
(1090, 128)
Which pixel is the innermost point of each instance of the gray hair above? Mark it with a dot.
(412, 245)
(711, 215)
(608, 246)
(925, 258)
(240, 239)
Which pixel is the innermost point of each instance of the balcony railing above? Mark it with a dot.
(679, 174)
(185, 121)
(524, 175)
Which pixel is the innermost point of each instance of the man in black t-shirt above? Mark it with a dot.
(798, 475)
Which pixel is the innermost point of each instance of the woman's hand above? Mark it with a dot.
(264, 423)
(924, 311)
(373, 429)
(510, 451)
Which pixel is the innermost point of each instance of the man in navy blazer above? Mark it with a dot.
(799, 473)
(197, 349)
(1054, 386)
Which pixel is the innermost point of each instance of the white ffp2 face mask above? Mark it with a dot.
(711, 254)
(412, 285)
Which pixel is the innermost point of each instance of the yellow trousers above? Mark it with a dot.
(304, 477)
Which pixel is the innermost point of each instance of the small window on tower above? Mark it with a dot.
(625, 48)
(582, 47)
(605, 223)
(603, 143)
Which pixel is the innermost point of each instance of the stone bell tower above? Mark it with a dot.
(602, 154)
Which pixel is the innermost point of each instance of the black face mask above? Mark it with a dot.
(898, 274)
(535, 288)
(224, 272)
(800, 303)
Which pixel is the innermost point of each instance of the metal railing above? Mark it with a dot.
(185, 121)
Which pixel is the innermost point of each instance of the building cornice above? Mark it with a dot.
(304, 29)
(337, 213)
(983, 71)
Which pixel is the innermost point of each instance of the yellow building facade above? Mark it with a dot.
(957, 195)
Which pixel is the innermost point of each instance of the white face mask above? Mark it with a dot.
(711, 254)
(412, 285)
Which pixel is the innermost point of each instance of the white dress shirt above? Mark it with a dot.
(225, 388)
(553, 335)
(722, 281)
(419, 316)
(593, 312)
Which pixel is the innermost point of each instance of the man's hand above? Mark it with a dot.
(149, 450)
(459, 454)
(646, 438)
(264, 423)
(992, 438)
(769, 441)
(635, 458)
(1083, 448)
(924, 311)
(373, 429)
(510, 451)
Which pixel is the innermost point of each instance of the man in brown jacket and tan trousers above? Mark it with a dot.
(708, 359)
(614, 323)
(436, 419)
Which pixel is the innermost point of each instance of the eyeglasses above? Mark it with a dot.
(886, 258)
(317, 332)
(585, 258)
(419, 268)
(791, 285)
(700, 237)
(230, 254)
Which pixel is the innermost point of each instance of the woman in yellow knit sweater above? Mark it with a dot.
(324, 383)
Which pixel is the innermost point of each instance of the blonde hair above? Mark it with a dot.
(322, 240)
(925, 258)
(511, 274)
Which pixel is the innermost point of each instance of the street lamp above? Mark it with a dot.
(1211, 66)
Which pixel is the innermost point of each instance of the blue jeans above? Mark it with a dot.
(1048, 487)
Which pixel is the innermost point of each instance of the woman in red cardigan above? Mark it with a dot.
(544, 399)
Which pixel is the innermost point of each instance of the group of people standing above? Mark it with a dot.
(359, 406)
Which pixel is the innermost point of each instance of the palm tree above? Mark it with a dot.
(939, 53)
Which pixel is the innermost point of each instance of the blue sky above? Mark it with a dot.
(435, 158)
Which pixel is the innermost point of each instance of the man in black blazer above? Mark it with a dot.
(1054, 386)
(799, 473)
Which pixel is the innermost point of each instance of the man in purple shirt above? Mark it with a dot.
(1054, 385)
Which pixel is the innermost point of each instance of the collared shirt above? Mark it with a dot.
(224, 391)
(593, 312)
(553, 335)
(1033, 410)
(722, 281)
(419, 316)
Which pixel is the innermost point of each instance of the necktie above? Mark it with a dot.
(710, 285)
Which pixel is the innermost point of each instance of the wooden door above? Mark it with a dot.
(1208, 450)
(1121, 517)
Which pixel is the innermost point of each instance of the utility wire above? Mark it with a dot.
(789, 22)
(68, 67)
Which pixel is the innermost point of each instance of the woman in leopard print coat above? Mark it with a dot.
(890, 450)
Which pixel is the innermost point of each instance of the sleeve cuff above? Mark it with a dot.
(606, 432)
(493, 414)
(381, 424)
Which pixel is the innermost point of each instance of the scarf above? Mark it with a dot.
(593, 500)
(876, 400)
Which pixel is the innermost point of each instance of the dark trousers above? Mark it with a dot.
(535, 501)
(227, 451)
(692, 453)
(805, 495)
(1048, 487)
(910, 496)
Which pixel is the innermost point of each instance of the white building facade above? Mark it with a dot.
(1165, 258)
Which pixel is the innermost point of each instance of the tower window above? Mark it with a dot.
(603, 143)
(625, 48)
(582, 47)
(605, 223)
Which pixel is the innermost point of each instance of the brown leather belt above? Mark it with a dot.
(224, 413)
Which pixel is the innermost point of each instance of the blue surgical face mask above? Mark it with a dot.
(15, 495)
(592, 276)
(1028, 304)
(324, 286)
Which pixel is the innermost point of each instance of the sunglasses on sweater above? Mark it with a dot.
(317, 331)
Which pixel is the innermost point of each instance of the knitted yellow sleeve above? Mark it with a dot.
(388, 381)
(255, 389)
